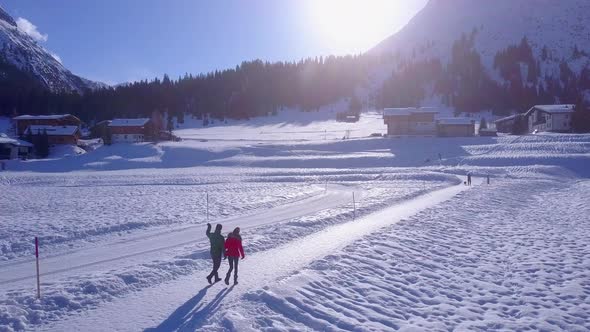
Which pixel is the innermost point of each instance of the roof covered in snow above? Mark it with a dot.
(566, 108)
(508, 118)
(4, 139)
(408, 111)
(42, 117)
(456, 121)
(129, 122)
(54, 130)
(397, 111)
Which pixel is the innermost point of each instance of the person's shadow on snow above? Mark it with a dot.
(192, 313)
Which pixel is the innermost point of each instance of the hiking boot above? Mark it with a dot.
(209, 279)
(235, 282)
(227, 281)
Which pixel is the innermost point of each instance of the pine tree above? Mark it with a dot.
(44, 145)
(170, 124)
(544, 53)
(581, 117)
(354, 105)
(520, 125)
(107, 137)
(483, 124)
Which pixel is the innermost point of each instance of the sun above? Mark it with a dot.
(353, 26)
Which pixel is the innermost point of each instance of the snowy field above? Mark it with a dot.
(123, 245)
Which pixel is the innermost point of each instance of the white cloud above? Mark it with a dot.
(30, 29)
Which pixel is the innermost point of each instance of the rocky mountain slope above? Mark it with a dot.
(22, 58)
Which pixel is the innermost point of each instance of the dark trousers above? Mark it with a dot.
(233, 263)
(216, 264)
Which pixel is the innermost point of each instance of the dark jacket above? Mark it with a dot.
(217, 241)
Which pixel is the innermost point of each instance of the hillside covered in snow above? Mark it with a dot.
(123, 245)
(23, 60)
(503, 55)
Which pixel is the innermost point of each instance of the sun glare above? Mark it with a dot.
(354, 25)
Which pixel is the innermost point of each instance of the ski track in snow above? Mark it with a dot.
(257, 271)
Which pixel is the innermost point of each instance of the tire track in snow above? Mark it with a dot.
(186, 312)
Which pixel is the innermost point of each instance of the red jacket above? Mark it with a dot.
(233, 247)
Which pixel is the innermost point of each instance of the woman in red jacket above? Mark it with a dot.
(233, 251)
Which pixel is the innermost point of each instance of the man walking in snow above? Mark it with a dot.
(469, 179)
(217, 248)
(233, 251)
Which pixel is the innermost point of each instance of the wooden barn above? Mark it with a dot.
(11, 148)
(410, 121)
(22, 122)
(130, 130)
(56, 134)
(455, 127)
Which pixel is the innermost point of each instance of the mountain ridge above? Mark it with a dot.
(21, 51)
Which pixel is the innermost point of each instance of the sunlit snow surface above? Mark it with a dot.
(123, 243)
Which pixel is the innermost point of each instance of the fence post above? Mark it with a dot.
(37, 261)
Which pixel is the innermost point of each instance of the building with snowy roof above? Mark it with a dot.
(22, 122)
(130, 130)
(410, 121)
(552, 118)
(506, 124)
(12, 148)
(455, 127)
(56, 134)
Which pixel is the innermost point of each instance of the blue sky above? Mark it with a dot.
(126, 40)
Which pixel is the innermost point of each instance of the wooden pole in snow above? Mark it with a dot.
(37, 261)
(207, 206)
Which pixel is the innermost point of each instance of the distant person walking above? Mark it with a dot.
(469, 179)
(217, 248)
(233, 251)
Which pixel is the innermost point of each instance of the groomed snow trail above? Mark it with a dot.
(145, 248)
(187, 303)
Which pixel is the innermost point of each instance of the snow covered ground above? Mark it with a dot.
(122, 243)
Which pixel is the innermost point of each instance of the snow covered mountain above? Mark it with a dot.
(558, 25)
(557, 32)
(26, 58)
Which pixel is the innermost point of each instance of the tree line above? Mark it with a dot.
(464, 82)
(250, 89)
(256, 88)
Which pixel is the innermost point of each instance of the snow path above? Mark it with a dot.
(185, 311)
(139, 249)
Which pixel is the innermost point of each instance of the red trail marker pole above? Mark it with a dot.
(37, 260)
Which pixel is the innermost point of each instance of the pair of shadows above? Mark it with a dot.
(192, 313)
